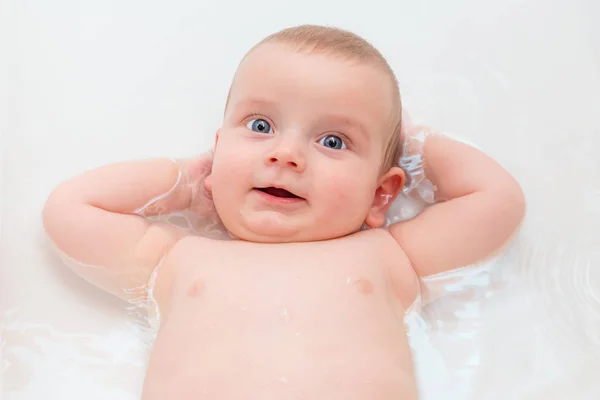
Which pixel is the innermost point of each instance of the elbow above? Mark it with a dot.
(519, 203)
(58, 205)
(513, 205)
(50, 213)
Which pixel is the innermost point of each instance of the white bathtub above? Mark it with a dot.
(93, 82)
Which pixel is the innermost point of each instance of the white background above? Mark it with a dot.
(85, 83)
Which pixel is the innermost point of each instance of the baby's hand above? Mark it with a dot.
(188, 192)
(199, 167)
(197, 170)
(418, 186)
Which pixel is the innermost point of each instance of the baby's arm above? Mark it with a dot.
(95, 220)
(480, 206)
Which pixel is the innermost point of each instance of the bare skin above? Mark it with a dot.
(316, 320)
(303, 304)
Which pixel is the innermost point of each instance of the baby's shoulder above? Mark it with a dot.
(395, 261)
(187, 250)
(190, 246)
(381, 247)
(379, 239)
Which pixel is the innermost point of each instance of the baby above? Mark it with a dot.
(308, 300)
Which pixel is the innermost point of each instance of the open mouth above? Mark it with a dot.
(278, 192)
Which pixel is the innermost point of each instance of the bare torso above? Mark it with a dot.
(319, 320)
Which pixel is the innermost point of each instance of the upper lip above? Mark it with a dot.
(279, 187)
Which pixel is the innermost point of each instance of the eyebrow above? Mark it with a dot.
(348, 123)
(254, 101)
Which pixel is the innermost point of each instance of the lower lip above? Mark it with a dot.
(278, 200)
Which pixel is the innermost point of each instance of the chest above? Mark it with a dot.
(277, 279)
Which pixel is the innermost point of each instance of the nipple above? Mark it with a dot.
(363, 285)
(196, 289)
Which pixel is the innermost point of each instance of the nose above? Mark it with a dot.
(287, 154)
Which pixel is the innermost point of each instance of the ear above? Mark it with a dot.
(208, 179)
(389, 186)
(216, 139)
(208, 183)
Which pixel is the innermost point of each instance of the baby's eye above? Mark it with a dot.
(333, 142)
(259, 125)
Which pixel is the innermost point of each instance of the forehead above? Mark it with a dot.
(281, 73)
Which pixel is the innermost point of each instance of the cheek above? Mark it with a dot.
(349, 190)
(230, 169)
(231, 157)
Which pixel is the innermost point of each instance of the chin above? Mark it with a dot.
(273, 227)
(292, 234)
(265, 230)
(265, 236)
(273, 234)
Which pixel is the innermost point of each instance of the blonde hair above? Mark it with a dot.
(339, 42)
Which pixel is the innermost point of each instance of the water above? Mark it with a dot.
(284, 315)
(521, 79)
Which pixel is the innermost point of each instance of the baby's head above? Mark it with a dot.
(309, 143)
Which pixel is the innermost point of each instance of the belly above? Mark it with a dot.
(269, 332)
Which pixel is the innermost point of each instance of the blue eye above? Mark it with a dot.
(333, 142)
(260, 126)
